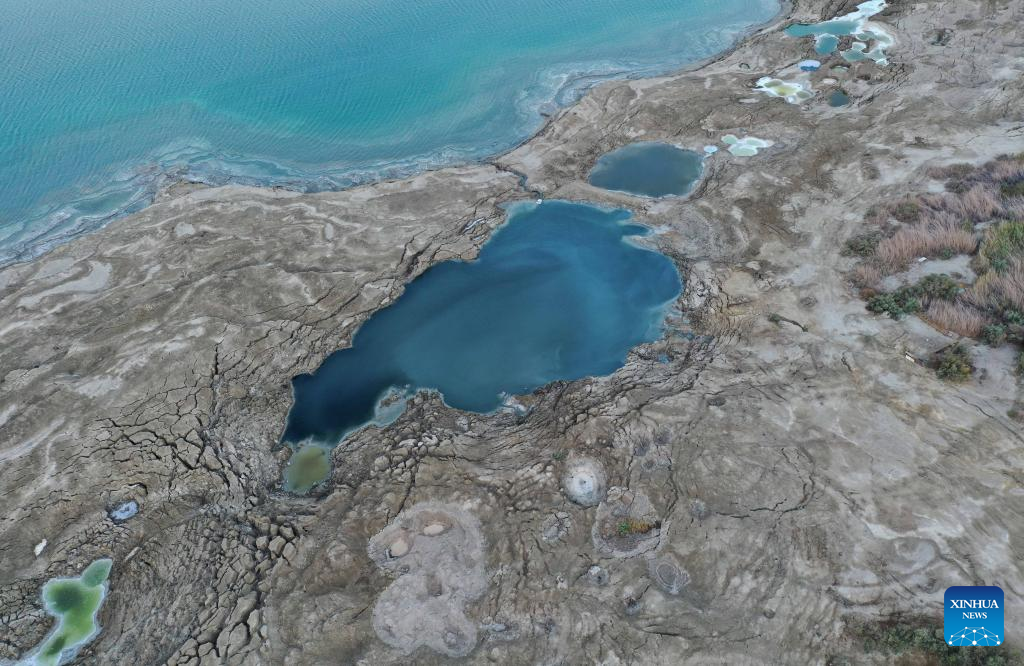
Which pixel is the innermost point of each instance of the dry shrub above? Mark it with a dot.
(1004, 171)
(1013, 208)
(905, 211)
(866, 276)
(977, 204)
(956, 317)
(957, 170)
(934, 201)
(997, 291)
(878, 216)
(936, 234)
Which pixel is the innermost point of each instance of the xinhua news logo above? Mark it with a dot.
(974, 615)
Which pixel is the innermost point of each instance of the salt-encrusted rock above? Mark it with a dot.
(584, 481)
(438, 549)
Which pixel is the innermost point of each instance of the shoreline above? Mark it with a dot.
(167, 180)
(786, 9)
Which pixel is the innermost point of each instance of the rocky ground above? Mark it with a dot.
(789, 482)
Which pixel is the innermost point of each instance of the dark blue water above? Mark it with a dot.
(101, 97)
(648, 169)
(838, 98)
(558, 293)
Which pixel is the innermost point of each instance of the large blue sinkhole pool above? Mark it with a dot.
(648, 169)
(560, 292)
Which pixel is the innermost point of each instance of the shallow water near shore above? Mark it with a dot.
(827, 34)
(103, 99)
(648, 169)
(558, 293)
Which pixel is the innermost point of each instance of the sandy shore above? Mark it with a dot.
(809, 483)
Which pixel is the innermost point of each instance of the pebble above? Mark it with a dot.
(434, 529)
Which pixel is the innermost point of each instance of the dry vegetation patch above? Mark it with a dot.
(981, 214)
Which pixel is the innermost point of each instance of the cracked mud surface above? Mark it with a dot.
(803, 472)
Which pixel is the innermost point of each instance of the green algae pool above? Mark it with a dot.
(793, 92)
(308, 466)
(75, 602)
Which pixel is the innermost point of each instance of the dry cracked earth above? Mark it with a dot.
(790, 472)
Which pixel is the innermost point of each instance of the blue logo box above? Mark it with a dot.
(973, 615)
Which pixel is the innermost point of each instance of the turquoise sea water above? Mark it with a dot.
(649, 169)
(558, 293)
(101, 98)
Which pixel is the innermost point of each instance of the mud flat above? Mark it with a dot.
(779, 478)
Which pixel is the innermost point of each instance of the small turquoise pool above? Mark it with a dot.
(838, 98)
(827, 34)
(648, 169)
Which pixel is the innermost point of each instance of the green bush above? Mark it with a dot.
(954, 364)
(633, 526)
(994, 335)
(908, 300)
(863, 245)
(1013, 189)
(1020, 364)
(1002, 243)
(1013, 317)
(927, 642)
(937, 286)
(897, 304)
(906, 211)
(901, 638)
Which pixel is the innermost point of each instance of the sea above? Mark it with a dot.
(106, 101)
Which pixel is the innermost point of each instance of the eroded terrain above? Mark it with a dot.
(771, 477)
